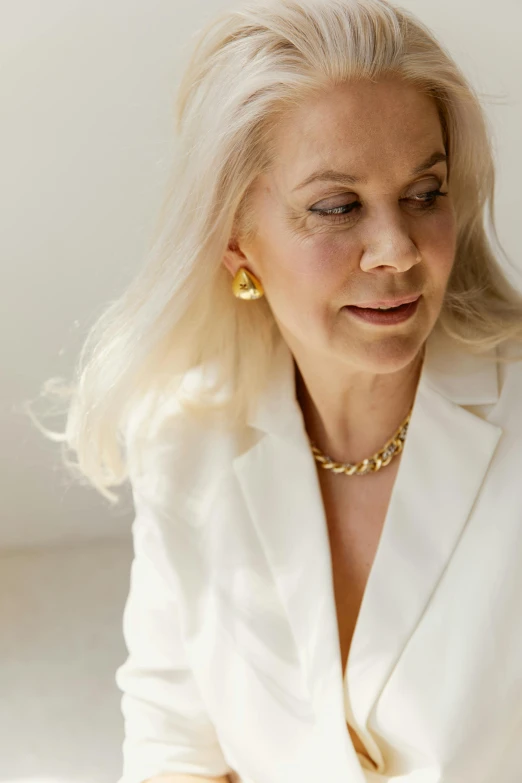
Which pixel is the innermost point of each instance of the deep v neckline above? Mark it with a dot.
(356, 520)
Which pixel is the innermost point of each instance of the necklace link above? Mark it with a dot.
(380, 459)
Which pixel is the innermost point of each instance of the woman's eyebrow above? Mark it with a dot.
(330, 175)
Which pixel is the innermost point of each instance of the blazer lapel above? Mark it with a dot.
(445, 459)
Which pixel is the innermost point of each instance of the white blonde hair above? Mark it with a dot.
(248, 67)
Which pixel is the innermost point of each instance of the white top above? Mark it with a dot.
(234, 660)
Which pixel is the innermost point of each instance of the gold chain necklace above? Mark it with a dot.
(380, 459)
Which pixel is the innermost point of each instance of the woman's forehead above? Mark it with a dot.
(354, 111)
(355, 164)
(368, 132)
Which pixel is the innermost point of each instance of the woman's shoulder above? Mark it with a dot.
(174, 449)
(160, 416)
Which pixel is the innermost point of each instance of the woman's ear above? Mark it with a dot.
(233, 257)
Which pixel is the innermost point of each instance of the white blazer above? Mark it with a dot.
(234, 661)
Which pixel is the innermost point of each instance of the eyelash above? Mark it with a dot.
(335, 217)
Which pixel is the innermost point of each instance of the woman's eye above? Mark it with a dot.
(424, 202)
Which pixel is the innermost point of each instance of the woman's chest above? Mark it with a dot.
(355, 512)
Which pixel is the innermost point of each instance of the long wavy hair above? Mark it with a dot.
(246, 68)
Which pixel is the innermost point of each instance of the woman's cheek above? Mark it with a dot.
(329, 258)
(444, 251)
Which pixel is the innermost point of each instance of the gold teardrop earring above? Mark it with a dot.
(245, 285)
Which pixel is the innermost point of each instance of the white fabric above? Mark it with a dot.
(234, 661)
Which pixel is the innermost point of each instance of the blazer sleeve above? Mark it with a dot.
(166, 726)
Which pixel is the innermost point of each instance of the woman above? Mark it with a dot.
(328, 534)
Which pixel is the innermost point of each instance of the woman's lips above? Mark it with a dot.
(396, 315)
(391, 302)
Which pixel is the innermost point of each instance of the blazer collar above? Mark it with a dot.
(448, 368)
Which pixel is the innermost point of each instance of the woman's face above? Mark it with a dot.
(385, 239)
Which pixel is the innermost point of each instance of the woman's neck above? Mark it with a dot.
(352, 424)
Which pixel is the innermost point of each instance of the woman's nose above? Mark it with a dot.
(396, 259)
(390, 245)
